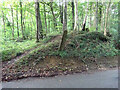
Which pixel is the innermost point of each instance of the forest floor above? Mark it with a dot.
(46, 61)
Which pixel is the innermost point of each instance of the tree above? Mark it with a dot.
(38, 22)
(76, 16)
(4, 23)
(23, 36)
(12, 22)
(100, 12)
(84, 22)
(54, 19)
(96, 15)
(62, 45)
(73, 12)
(45, 18)
(90, 22)
(17, 22)
(106, 19)
(61, 11)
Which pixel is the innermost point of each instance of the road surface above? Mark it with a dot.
(101, 79)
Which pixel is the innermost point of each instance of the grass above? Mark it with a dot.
(11, 49)
(83, 46)
(84, 51)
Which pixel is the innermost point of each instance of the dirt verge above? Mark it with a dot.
(53, 65)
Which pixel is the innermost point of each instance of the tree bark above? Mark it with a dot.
(12, 22)
(4, 24)
(45, 19)
(73, 15)
(106, 19)
(96, 15)
(23, 36)
(90, 24)
(17, 22)
(54, 19)
(64, 37)
(38, 21)
(24, 21)
(100, 13)
(61, 13)
(102, 19)
(76, 16)
(84, 22)
(49, 21)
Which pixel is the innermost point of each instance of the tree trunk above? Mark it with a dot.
(31, 28)
(64, 37)
(84, 22)
(100, 13)
(23, 36)
(76, 16)
(12, 22)
(96, 15)
(38, 21)
(73, 16)
(102, 19)
(61, 13)
(4, 24)
(49, 23)
(118, 41)
(17, 22)
(90, 24)
(24, 22)
(54, 19)
(45, 18)
(106, 18)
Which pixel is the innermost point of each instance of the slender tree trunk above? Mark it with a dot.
(106, 19)
(76, 16)
(54, 19)
(38, 21)
(84, 22)
(61, 13)
(49, 23)
(12, 22)
(17, 22)
(64, 37)
(96, 15)
(4, 24)
(31, 28)
(73, 14)
(23, 36)
(45, 18)
(90, 16)
(24, 22)
(102, 19)
(118, 41)
(100, 13)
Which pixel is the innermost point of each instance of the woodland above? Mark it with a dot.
(45, 39)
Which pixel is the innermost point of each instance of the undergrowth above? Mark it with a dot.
(85, 45)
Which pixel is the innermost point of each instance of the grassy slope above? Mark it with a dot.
(84, 46)
(82, 52)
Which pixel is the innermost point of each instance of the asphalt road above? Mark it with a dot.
(101, 79)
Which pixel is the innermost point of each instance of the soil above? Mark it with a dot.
(53, 65)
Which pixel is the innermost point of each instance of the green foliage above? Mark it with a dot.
(11, 49)
(92, 44)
